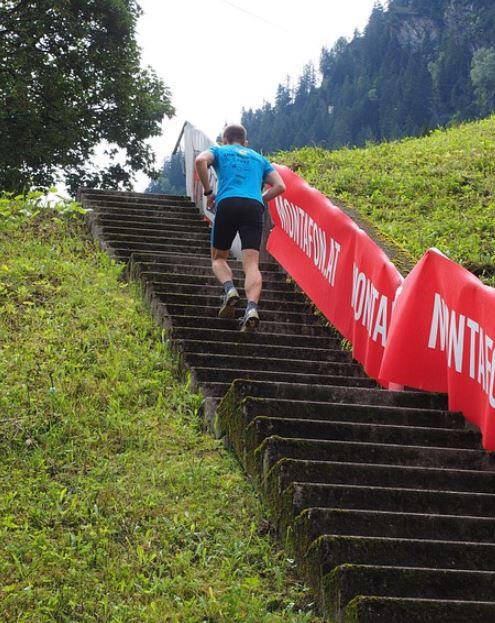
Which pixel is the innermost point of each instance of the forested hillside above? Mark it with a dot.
(434, 191)
(419, 64)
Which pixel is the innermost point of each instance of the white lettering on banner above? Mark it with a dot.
(447, 333)
(322, 249)
(363, 303)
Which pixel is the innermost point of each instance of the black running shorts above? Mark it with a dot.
(236, 214)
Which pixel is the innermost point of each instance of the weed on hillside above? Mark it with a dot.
(114, 506)
(436, 191)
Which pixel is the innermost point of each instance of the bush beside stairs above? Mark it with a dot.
(385, 499)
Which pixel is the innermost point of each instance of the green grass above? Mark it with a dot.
(432, 191)
(114, 505)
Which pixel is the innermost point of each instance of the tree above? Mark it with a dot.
(172, 180)
(70, 81)
(483, 77)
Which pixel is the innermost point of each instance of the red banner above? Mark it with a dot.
(441, 339)
(346, 275)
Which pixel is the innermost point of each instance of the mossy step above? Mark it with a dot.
(221, 375)
(262, 427)
(331, 551)
(347, 582)
(115, 233)
(275, 448)
(298, 497)
(288, 471)
(136, 222)
(341, 412)
(185, 271)
(172, 258)
(272, 364)
(268, 302)
(292, 391)
(168, 208)
(127, 247)
(226, 337)
(138, 225)
(145, 214)
(161, 313)
(208, 283)
(131, 196)
(190, 244)
(266, 352)
(315, 522)
(267, 315)
(173, 284)
(395, 610)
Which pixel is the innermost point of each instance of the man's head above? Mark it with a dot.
(234, 134)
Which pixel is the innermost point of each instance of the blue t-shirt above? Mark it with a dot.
(240, 171)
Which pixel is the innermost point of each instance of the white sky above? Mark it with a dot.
(217, 58)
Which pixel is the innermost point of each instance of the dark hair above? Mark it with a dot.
(234, 134)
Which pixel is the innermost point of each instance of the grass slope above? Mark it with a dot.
(114, 506)
(436, 191)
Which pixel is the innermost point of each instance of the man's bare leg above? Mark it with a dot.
(253, 280)
(219, 264)
(252, 284)
(223, 273)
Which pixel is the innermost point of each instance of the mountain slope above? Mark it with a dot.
(417, 65)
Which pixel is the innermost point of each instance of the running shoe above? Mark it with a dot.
(230, 300)
(251, 320)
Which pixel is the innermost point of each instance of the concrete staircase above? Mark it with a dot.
(385, 499)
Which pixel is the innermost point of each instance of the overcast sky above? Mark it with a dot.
(221, 55)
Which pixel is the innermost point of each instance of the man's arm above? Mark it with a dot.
(277, 186)
(204, 159)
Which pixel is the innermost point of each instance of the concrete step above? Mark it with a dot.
(219, 375)
(162, 224)
(273, 449)
(277, 315)
(185, 272)
(262, 427)
(115, 232)
(376, 397)
(191, 244)
(299, 496)
(313, 523)
(354, 474)
(239, 362)
(168, 317)
(168, 259)
(214, 301)
(111, 219)
(322, 438)
(331, 551)
(377, 414)
(95, 194)
(176, 209)
(346, 583)
(204, 286)
(127, 247)
(146, 214)
(233, 337)
(264, 352)
(400, 610)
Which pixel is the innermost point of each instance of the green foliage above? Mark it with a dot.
(28, 206)
(435, 191)
(417, 65)
(172, 179)
(114, 506)
(71, 80)
(483, 77)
